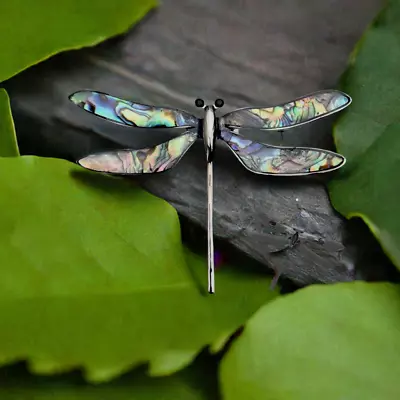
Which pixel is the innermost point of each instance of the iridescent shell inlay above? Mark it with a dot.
(290, 114)
(143, 161)
(272, 160)
(132, 114)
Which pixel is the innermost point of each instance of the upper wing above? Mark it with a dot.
(143, 161)
(133, 114)
(288, 115)
(287, 161)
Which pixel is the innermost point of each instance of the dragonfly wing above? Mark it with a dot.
(288, 115)
(132, 114)
(143, 161)
(287, 161)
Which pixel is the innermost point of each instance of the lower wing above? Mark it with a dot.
(286, 161)
(142, 161)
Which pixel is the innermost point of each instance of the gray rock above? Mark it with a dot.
(255, 52)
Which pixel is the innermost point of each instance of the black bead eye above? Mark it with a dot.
(199, 103)
(219, 103)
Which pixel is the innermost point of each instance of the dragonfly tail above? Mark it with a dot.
(210, 234)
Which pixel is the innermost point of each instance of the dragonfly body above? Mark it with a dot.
(259, 158)
(209, 130)
(209, 123)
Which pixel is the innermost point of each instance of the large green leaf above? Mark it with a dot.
(92, 274)
(31, 31)
(323, 342)
(367, 133)
(8, 140)
(198, 382)
(371, 190)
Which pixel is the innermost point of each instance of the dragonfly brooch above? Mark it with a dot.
(259, 158)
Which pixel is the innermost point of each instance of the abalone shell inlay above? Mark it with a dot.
(143, 161)
(272, 160)
(132, 114)
(288, 115)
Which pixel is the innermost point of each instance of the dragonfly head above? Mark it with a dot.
(217, 104)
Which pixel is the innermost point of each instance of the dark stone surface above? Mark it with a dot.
(258, 52)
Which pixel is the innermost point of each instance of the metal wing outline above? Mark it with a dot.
(148, 160)
(288, 115)
(137, 115)
(266, 159)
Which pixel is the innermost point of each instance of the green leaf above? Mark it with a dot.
(8, 139)
(198, 382)
(323, 342)
(371, 190)
(32, 31)
(368, 133)
(93, 275)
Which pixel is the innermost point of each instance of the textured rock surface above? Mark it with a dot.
(254, 52)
